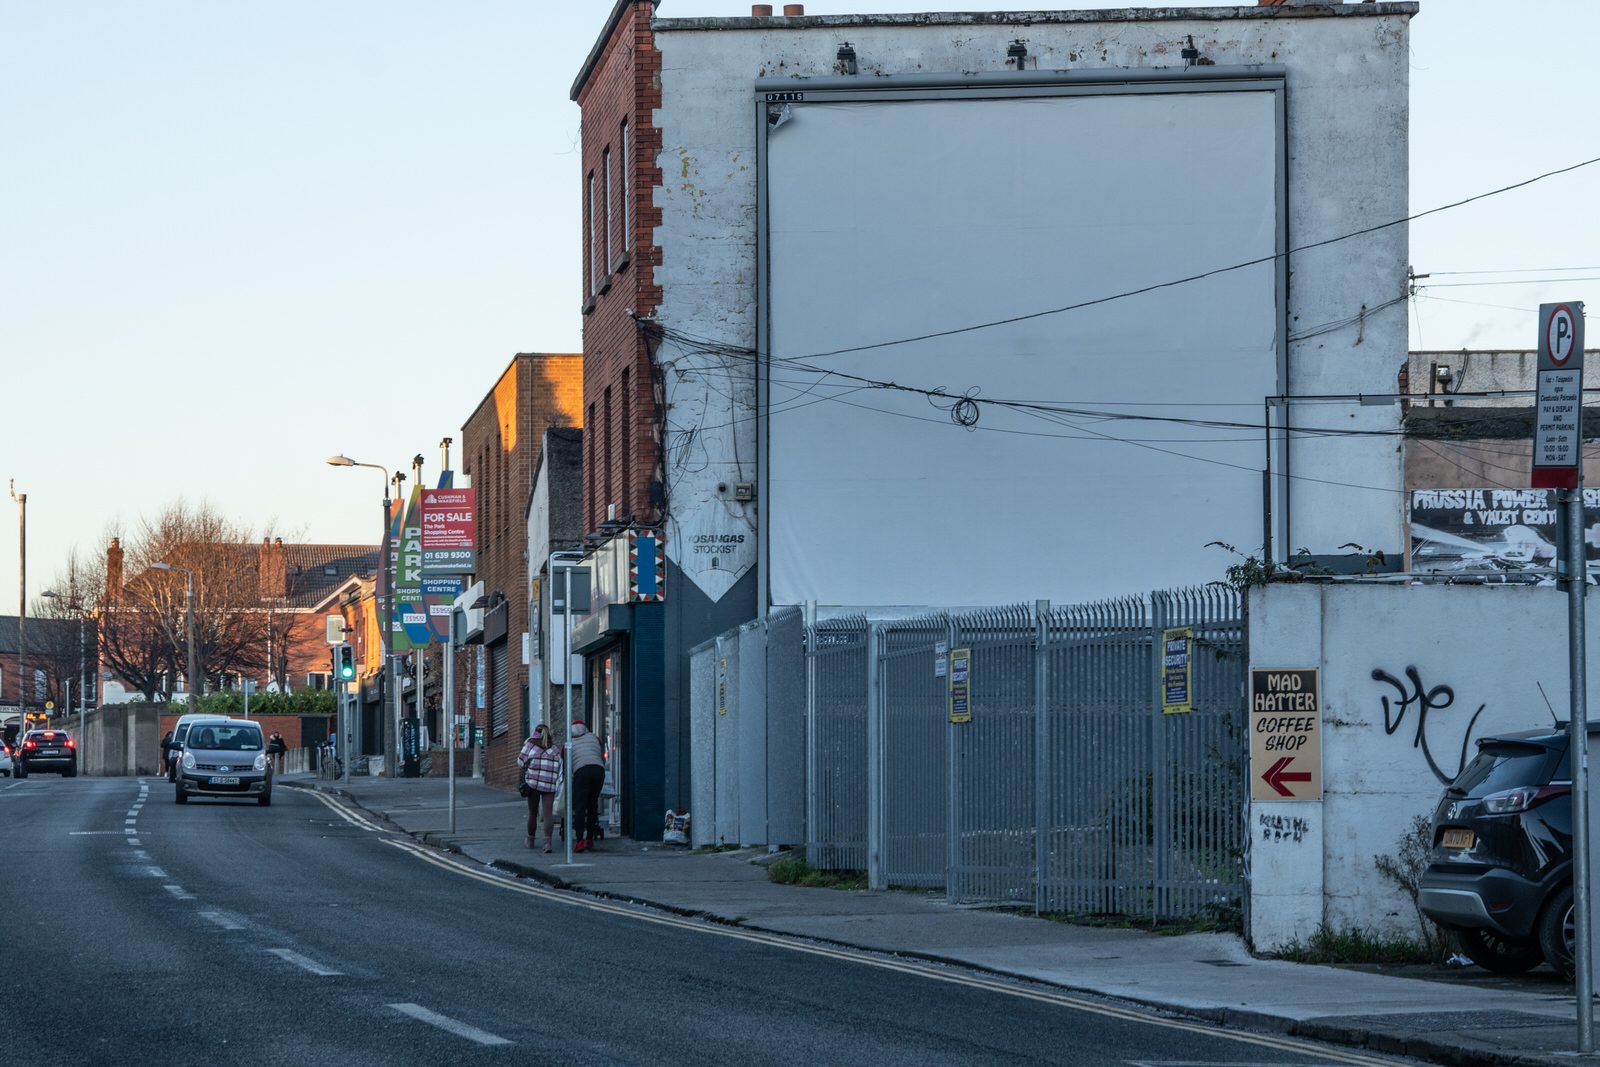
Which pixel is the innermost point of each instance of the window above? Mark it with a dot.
(319, 679)
(605, 444)
(588, 466)
(593, 248)
(625, 492)
(606, 187)
(627, 191)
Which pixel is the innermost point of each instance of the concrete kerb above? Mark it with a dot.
(1234, 1018)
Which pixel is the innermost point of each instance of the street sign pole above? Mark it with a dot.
(566, 729)
(450, 708)
(1558, 464)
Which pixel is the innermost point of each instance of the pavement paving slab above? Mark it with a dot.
(1419, 1013)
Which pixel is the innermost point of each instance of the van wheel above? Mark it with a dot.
(1556, 932)
(180, 796)
(1502, 955)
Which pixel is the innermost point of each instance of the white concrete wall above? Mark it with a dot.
(1313, 862)
(1347, 169)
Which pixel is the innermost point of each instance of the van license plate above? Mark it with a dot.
(1457, 839)
(235, 781)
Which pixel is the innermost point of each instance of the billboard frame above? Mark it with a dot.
(838, 89)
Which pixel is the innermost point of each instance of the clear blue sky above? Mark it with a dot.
(237, 238)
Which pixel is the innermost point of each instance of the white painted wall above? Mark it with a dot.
(1347, 169)
(1487, 644)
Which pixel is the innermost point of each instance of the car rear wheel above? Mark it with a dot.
(71, 772)
(1556, 932)
(1502, 955)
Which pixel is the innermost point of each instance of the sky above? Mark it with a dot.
(236, 239)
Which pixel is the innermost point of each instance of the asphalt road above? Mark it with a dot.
(225, 932)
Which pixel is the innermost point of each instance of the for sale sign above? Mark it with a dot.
(449, 531)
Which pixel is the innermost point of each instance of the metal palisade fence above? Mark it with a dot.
(1068, 788)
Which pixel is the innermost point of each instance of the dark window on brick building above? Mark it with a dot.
(605, 445)
(625, 494)
(627, 191)
(595, 269)
(607, 186)
(589, 464)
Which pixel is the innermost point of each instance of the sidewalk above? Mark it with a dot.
(1475, 1020)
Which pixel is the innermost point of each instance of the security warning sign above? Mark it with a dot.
(1285, 735)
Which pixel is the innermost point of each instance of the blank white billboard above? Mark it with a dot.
(894, 219)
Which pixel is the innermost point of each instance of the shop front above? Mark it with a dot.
(621, 641)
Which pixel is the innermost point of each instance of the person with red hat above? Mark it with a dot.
(588, 778)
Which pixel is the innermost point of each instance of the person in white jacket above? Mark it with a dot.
(588, 778)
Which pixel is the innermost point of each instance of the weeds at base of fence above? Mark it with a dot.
(801, 873)
(1220, 920)
(1355, 945)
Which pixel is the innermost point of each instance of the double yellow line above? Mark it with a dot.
(910, 967)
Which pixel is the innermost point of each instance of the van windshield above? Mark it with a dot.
(226, 738)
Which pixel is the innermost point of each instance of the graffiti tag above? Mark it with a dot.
(1426, 700)
(1283, 828)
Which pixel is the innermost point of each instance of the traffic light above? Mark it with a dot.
(345, 663)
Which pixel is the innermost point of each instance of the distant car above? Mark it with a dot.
(5, 760)
(224, 758)
(172, 751)
(46, 750)
(1500, 874)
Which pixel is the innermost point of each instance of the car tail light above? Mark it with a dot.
(29, 744)
(69, 743)
(1522, 798)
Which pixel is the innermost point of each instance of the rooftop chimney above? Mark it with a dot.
(114, 571)
(761, 11)
(274, 573)
(793, 11)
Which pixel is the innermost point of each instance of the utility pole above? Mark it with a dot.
(419, 655)
(394, 658)
(194, 666)
(566, 729)
(22, 610)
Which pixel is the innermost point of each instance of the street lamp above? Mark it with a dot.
(342, 460)
(188, 597)
(73, 604)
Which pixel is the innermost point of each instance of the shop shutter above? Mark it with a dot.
(500, 679)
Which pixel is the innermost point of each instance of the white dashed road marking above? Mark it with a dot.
(221, 920)
(131, 840)
(179, 892)
(444, 1022)
(291, 956)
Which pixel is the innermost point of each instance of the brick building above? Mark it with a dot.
(54, 663)
(294, 586)
(501, 442)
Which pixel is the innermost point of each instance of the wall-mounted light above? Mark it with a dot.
(846, 60)
(1017, 55)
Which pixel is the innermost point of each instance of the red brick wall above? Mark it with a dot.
(625, 84)
(501, 443)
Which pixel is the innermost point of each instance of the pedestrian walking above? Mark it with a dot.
(588, 776)
(277, 751)
(166, 754)
(540, 760)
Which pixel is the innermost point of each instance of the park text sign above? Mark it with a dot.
(1285, 735)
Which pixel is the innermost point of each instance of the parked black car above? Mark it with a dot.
(1500, 874)
(46, 750)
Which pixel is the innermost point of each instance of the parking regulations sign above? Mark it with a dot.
(1285, 735)
(1558, 408)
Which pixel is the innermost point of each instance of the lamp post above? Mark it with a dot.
(22, 610)
(195, 675)
(74, 604)
(342, 460)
